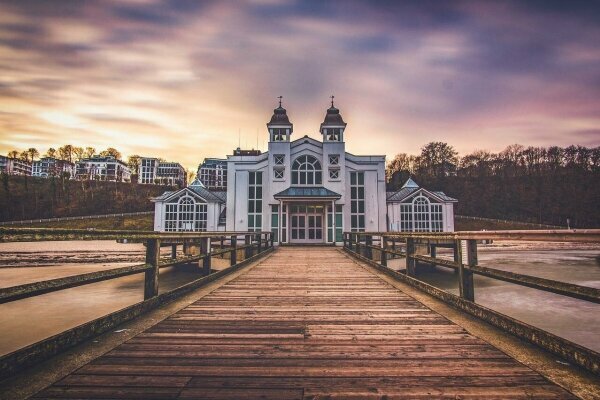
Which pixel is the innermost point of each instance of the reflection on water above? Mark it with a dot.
(576, 320)
(27, 321)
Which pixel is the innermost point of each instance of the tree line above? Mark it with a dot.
(532, 184)
(73, 154)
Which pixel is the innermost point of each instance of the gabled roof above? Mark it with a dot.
(410, 188)
(304, 192)
(198, 191)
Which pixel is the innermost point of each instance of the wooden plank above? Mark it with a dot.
(306, 323)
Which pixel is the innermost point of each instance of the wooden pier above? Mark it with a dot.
(305, 323)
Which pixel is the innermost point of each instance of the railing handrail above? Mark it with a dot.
(362, 245)
(252, 246)
(51, 234)
(552, 235)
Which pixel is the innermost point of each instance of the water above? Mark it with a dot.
(576, 320)
(27, 321)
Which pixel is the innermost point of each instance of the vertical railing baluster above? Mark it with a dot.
(465, 276)
(247, 248)
(259, 245)
(383, 255)
(205, 250)
(410, 261)
(233, 252)
(368, 248)
(151, 275)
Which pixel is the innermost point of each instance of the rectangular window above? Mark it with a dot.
(278, 173)
(334, 159)
(255, 201)
(357, 201)
(275, 222)
(339, 229)
(279, 159)
(406, 218)
(437, 220)
(334, 173)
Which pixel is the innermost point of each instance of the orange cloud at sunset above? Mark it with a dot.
(179, 80)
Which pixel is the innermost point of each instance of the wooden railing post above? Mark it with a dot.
(344, 240)
(173, 251)
(410, 261)
(383, 255)
(457, 254)
(259, 244)
(151, 275)
(368, 248)
(205, 250)
(271, 239)
(233, 254)
(465, 277)
(248, 248)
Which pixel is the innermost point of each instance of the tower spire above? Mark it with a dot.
(331, 97)
(280, 97)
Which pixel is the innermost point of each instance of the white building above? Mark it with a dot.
(102, 168)
(14, 166)
(155, 171)
(213, 173)
(302, 190)
(415, 209)
(50, 166)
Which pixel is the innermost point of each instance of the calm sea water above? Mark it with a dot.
(26, 321)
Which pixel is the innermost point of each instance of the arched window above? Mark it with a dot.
(185, 215)
(306, 170)
(421, 215)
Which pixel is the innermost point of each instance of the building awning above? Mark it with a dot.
(312, 192)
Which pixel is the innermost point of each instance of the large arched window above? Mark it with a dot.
(421, 216)
(306, 170)
(185, 215)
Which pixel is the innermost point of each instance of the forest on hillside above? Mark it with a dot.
(545, 185)
(26, 197)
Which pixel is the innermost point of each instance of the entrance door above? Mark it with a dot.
(306, 223)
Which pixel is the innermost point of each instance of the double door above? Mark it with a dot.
(306, 224)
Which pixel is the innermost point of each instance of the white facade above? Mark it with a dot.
(155, 171)
(49, 166)
(102, 168)
(414, 209)
(15, 166)
(292, 189)
(304, 191)
(191, 209)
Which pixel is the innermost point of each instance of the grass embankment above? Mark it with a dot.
(134, 222)
(23, 198)
(466, 224)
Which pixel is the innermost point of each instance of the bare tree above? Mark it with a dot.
(33, 153)
(51, 153)
(111, 151)
(89, 152)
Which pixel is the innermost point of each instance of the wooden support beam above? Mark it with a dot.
(233, 254)
(383, 253)
(368, 249)
(411, 263)
(248, 248)
(151, 275)
(173, 251)
(205, 250)
(465, 277)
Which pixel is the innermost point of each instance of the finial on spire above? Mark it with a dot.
(332, 96)
(280, 97)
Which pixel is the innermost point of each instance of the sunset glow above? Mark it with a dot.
(184, 80)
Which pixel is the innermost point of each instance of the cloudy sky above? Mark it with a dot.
(184, 80)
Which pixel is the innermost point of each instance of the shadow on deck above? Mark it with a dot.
(305, 323)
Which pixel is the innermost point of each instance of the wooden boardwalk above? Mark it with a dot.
(306, 323)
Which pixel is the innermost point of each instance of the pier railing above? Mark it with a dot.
(198, 248)
(377, 248)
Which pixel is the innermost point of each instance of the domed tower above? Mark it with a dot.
(280, 128)
(333, 126)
